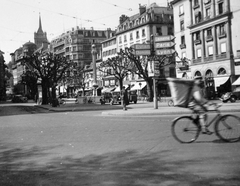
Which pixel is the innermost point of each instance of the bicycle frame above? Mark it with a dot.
(208, 123)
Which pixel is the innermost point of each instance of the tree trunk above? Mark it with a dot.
(44, 92)
(150, 89)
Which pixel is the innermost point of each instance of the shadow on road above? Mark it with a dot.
(125, 168)
(21, 109)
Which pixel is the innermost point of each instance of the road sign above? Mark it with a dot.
(164, 52)
(142, 52)
(164, 44)
(141, 46)
(163, 38)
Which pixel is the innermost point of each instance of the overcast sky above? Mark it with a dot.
(19, 18)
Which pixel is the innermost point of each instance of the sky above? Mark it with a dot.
(19, 19)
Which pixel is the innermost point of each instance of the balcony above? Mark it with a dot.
(221, 56)
(222, 35)
(209, 58)
(183, 65)
(197, 42)
(209, 38)
(182, 46)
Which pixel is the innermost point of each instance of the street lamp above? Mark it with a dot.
(94, 56)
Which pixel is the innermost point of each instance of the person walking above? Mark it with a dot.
(124, 96)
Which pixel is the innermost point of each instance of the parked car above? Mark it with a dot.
(116, 99)
(19, 99)
(228, 96)
(133, 96)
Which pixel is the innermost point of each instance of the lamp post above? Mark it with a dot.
(94, 54)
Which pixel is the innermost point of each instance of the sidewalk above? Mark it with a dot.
(141, 108)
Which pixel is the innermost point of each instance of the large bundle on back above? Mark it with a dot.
(181, 91)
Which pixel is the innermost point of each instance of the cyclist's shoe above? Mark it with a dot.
(206, 131)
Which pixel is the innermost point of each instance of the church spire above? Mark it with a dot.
(40, 25)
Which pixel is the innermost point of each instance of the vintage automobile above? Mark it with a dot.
(18, 98)
(116, 99)
(228, 96)
(132, 96)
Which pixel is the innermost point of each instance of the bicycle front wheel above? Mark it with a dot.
(185, 130)
(227, 128)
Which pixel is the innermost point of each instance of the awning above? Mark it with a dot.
(220, 81)
(108, 89)
(117, 89)
(237, 82)
(139, 85)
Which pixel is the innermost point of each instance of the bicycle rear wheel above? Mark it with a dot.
(185, 130)
(227, 128)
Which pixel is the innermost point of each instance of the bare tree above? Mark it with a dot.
(49, 69)
(118, 67)
(142, 66)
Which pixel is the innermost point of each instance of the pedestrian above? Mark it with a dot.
(124, 96)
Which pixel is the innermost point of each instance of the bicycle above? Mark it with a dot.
(186, 129)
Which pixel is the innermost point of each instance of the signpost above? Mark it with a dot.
(141, 49)
(164, 52)
(163, 46)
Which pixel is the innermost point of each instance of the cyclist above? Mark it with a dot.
(199, 103)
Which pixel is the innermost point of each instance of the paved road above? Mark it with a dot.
(88, 148)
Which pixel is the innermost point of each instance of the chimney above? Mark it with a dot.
(142, 9)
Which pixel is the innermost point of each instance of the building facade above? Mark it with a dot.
(2, 77)
(138, 29)
(109, 50)
(206, 33)
(76, 44)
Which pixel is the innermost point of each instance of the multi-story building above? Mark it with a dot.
(109, 50)
(137, 29)
(206, 33)
(41, 42)
(76, 44)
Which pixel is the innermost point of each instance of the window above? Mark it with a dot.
(106, 83)
(159, 31)
(182, 25)
(196, 3)
(183, 45)
(182, 39)
(222, 71)
(112, 82)
(199, 53)
(131, 36)
(223, 47)
(198, 17)
(210, 50)
(125, 38)
(198, 36)
(120, 39)
(209, 32)
(143, 33)
(170, 31)
(208, 13)
(181, 11)
(137, 34)
(220, 8)
(222, 29)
